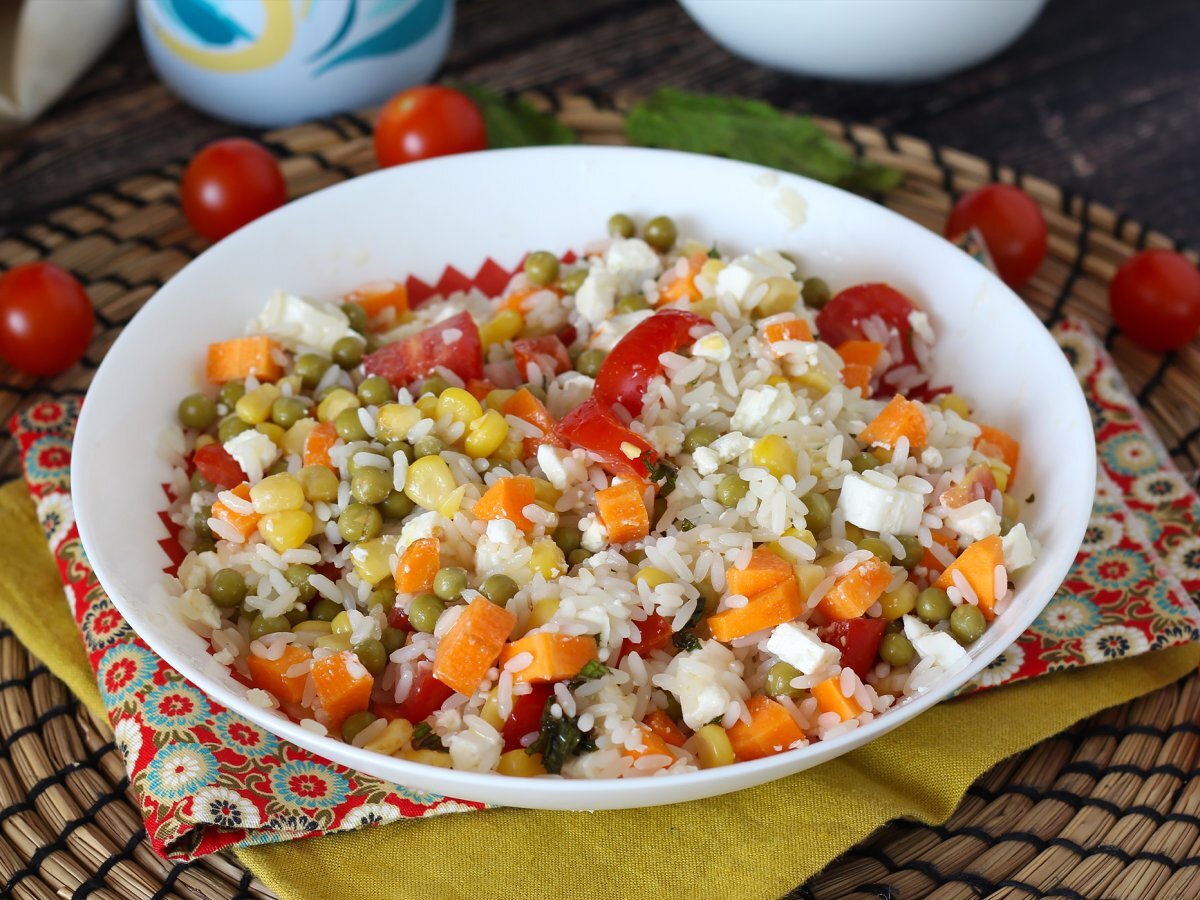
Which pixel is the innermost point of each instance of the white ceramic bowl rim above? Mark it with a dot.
(646, 169)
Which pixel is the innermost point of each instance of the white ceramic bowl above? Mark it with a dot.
(865, 40)
(459, 210)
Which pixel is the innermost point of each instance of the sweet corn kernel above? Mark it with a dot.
(341, 623)
(711, 269)
(255, 405)
(396, 736)
(335, 642)
(803, 534)
(490, 712)
(775, 455)
(776, 380)
(519, 764)
(394, 421)
(486, 434)
(512, 448)
(497, 398)
(956, 403)
(293, 440)
(286, 530)
(504, 327)
(338, 400)
(705, 307)
(295, 382)
(312, 626)
(204, 440)
(429, 758)
(319, 483)
(1000, 472)
(429, 482)
(781, 296)
(691, 246)
(427, 406)
(816, 380)
(370, 559)
(459, 405)
(808, 576)
(547, 559)
(713, 747)
(453, 502)
(545, 492)
(1012, 508)
(653, 577)
(277, 493)
(542, 611)
(273, 431)
(829, 560)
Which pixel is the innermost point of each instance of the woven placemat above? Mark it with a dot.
(1109, 808)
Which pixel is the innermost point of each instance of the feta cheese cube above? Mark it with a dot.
(1018, 548)
(714, 346)
(940, 648)
(799, 646)
(610, 331)
(296, 322)
(736, 279)
(597, 295)
(975, 520)
(895, 510)
(550, 461)
(731, 446)
(761, 408)
(253, 451)
(567, 391)
(633, 262)
(706, 460)
(594, 534)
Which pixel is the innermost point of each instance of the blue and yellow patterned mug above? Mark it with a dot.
(275, 62)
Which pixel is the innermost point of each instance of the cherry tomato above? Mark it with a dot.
(593, 426)
(228, 184)
(1155, 299)
(859, 641)
(1012, 227)
(841, 318)
(526, 715)
(655, 635)
(217, 466)
(548, 353)
(428, 121)
(627, 370)
(46, 319)
(426, 695)
(453, 343)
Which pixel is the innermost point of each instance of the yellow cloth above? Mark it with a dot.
(761, 842)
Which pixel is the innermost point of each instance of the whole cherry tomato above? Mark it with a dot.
(228, 184)
(1012, 227)
(46, 319)
(428, 121)
(1155, 299)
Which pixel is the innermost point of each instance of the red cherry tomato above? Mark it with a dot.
(216, 465)
(627, 370)
(426, 695)
(46, 319)
(228, 184)
(1155, 299)
(859, 641)
(593, 426)
(841, 319)
(1012, 227)
(655, 635)
(526, 715)
(428, 121)
(453, 343)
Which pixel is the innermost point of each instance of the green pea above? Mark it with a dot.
(279, 467)
(231, 426)
(967, 624)
(450, 582)
(324, 610)
(227, 588)
(394, 447)
(779, 680)
(896, 650)
(310, 367)
(359, 522)
(357, 316)
(590, 361)
(424, 611)
(578, 557)
(372, 655)
(815, 292)
(636, 557)
(348, 352)
(1006, 525)
(199, 482)
(263, 625)
(197, 411)
(428, 446)
(730, 491)
(382, 596)
(819, 512)
(537, 390)
(568, 538)
(287, 411)
(632, 303)
(393, 639)
(371, 485)
(913, 551)
(298, 575)
(498, 588)
(898, 603)
(700, 436)
(659, 510)
(396, 505)
(200, 523)
(376, 391)
(660, 233)
(349, 426)
(541, 267)
(620, 225)
(434, 384)
(355, 724)
(876, 547)
(296, 615)
(573, 281)
(204, 544)
(862, 462)
(231, 392)
(326, 391)
(933, 605)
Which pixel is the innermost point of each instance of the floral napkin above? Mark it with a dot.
(207, 779)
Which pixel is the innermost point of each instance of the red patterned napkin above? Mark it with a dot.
(207, 779)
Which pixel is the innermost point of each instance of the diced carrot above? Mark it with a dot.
(790, 330)
(272, 674)
(507, 499)
(480, 388)
(997, 444)
(771, 730)
(241, 357)
(245, 523)
(684, 286)
(555, 656)
(343, 686)
(379, 296)
(528, 408)
(516, 300)
(830, 699)
(977, 484)
(652, 745)
(472, 645)
(763, 572)
(855, 592)
(417, 566)
(772, 607)
(664, 726)
(864, 353)
(978, 564)
(856, 375)
(931, 562)
(622, 509)
(900, 418)
(317, 444)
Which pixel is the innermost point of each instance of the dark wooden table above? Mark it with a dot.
(1101, 96)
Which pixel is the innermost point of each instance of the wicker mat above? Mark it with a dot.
(1110, 808)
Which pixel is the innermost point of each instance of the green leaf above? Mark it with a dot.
(513, 122)
(754, 132)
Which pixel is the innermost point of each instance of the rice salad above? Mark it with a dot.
(649, 510)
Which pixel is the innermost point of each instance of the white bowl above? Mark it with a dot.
(867, 40)
(459, 210)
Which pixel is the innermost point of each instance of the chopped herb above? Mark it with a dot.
(1031, 498)
(423, 738)
(662, 472)
(717, 721)
(558, 738)
(685, 641)
(714, 253)
(593, 669)
(514, 122)
(697, 615)
(686, 525)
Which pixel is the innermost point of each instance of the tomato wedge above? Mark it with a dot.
(216, 465)
(526, 715)
(549, 353)
(453, 343)
(859, 641)
(841, 319)
(656, 634)
(426, 695)
(634, 361)
(595, 427)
